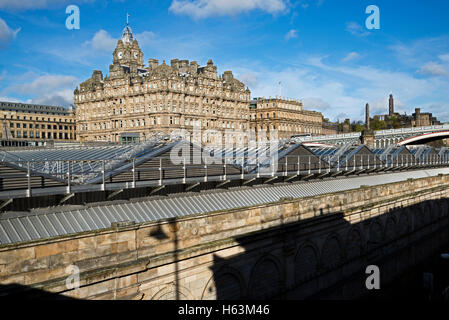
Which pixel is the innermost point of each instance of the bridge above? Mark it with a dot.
(139, 226)
(55, 176)
(385, 138)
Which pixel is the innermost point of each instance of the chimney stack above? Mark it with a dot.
(391, 105)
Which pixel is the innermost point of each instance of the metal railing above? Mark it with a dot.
(378, 134)
(93, 175)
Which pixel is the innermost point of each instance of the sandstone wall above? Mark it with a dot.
(289, 249)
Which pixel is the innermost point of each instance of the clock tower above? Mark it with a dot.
(127, 52)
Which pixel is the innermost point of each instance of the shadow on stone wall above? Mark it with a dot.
(325, 257)
(20, 292)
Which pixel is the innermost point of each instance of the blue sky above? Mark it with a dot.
(320, 50)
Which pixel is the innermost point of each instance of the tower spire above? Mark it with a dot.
(127, 34)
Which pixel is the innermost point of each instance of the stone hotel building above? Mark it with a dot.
(36, 123)
(135, 102)
(284, 115)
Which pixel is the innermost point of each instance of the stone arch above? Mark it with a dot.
(266, 279)
(429, 209)
(354, 247)
(435, 209)
(404, 222)
(306, 262)
(422, 212)
(390, 231)
(376, 236)
(331, 252)
(226, 284)
(354, 243)
(169, 293)
(444, 207)
(390, 235)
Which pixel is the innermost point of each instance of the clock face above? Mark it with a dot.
(136, 54)
(120, 55)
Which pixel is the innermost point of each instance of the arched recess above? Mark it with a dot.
(306, 262)
(390, 229)
(435, 208)
(390, 235)
(430, 211)
(422, 215)
(226, 284)
(443, 203)
(172, 292)
(444, 207)
(266, 279)
(354, 243)
(375, 234)
(404, 222)
(355, 246)
(331, 253)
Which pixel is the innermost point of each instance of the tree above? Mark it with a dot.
(357, 126)
(378, 124)
(395, 122)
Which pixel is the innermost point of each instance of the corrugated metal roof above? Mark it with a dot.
(423, 152)
(55, 161)
(393, 152)
(16, 227)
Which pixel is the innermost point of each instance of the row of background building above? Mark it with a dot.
(135, 102)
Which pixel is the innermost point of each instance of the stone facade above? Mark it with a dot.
(417, 119)
(311, 247)
(329, 128)
(422, 119)
(31, 122)
(135, 102)
(284, 115)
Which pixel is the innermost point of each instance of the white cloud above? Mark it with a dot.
(60, 98)
(145, 38)
(316, 92)
(44, 89)
(434, 69)
(444, 57)
(9, 99)
(304, 4)
(19, 5)
(315, 104)
(2, 75)
(378, 83)
(250, 79)
(44, 84)
(420, 51)
(97, 51)
(356, 29)
(291, 34)
(340, 91)
(181, 46)
(351, 56)
(102, 41)
(198, 9)
(6, 34)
